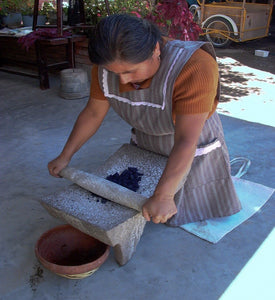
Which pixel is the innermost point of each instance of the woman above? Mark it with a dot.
(167, 90)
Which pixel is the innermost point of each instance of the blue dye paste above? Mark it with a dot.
(129, 178)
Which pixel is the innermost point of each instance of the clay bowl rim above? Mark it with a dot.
(70, 270)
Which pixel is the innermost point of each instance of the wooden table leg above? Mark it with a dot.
(70, 52)
(42, 66)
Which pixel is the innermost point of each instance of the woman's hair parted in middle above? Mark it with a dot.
(123, 37)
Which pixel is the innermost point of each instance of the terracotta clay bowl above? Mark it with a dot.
(70, 253)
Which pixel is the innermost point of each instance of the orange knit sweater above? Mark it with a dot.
(195, 88)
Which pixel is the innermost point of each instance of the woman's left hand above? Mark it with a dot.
(159, 209)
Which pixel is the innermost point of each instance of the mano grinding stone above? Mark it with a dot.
(104, 188)
(114, 224)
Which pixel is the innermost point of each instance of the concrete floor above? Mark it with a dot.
(168, 263)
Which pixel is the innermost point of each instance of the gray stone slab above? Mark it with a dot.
(116, 225)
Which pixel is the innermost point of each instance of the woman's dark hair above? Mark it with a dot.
(123, 37)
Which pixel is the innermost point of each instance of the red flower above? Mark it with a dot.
(136, 13)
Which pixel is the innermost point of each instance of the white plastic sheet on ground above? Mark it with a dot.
(252, 196)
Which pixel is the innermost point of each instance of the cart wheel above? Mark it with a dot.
(196, 12)
(220, 25)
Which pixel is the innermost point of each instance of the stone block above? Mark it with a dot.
(116, 225)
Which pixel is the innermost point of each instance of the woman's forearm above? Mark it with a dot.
(86, 125)
(187, 131)
(83, 129)
(177, 167)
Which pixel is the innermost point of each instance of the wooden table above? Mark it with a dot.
(57, 53)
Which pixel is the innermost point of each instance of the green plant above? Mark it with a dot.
(47, 9)
(3, 10)
(93, 10)
(172, 16)
(65, 8)
(139, 8)
(96, 9)
(27, 7)
(10, 6)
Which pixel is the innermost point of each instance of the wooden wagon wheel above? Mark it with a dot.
(219, 32)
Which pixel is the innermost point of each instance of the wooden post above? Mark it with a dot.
(59, 18)
(35, 14)
(42, 66)
(70, 52)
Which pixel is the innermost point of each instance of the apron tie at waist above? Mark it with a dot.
(199, 151)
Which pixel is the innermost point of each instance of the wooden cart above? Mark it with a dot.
(225, 21)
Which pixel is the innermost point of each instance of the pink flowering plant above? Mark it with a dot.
(175, 20)
(172, 16)
(139, 8)
(96, 9)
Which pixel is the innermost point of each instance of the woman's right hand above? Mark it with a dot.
(56, 165)
(85, 127)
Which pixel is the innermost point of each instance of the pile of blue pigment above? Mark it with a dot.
(129, 178)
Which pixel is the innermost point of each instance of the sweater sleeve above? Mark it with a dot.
(195, 88)
(95, 89)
